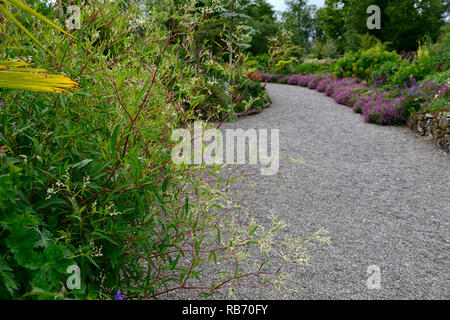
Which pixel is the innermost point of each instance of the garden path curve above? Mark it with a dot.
(382, 192)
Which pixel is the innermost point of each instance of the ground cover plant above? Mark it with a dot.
(383, 105)
(381, 85)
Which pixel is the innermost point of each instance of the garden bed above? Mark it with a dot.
(385, 105)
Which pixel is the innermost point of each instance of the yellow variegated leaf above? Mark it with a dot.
(17, 65)
(12, 76)
(14, 64)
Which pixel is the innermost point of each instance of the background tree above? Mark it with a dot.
(403, 23)
(262, 18)
(299, 19)
(330, 19)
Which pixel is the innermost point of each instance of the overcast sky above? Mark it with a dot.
(279, 5)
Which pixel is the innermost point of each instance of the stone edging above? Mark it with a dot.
(435, 128)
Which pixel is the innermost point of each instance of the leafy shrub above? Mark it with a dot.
(361, 63)
(419, 69)
(307, 68)
(440, 50)
(439, 77)
(383, 73)
(284, 66)
(86, 179)
(263, 61)
(440, 104)
(310, 66)
(321, 50)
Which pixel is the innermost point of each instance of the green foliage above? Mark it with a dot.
(368, 41)
(323, 49)
(263, 61)
(7, 13)
(86, 178)
(431, 62)
(331, 21)
(284, 66)
(440, 104)
(310, 66)
(441, 49)
(440, 77)
(418, 69)
(263, 20)
(299, 19)
(403, 23)
(284, 52)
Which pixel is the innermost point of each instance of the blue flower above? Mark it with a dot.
(118, 295)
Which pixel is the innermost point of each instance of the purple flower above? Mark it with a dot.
(271, 77)
(322, 85)
(384, 110)
(348, 92)
(1, 103)
(118, 295)
(315, 80)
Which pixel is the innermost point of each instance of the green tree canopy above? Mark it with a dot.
(403, 23)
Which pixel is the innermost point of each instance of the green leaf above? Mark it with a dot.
(186, 206)
(206, 294)
(218, 236)
(114, 139)
(212, 255)
(21, 242)
(45, 238)
(253, 231)
(81, 164)
(7, 277)
(53, 269)
(264, 263)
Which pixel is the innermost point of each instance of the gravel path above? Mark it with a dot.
(382, 192)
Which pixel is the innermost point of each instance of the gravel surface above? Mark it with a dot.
(382, 192)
